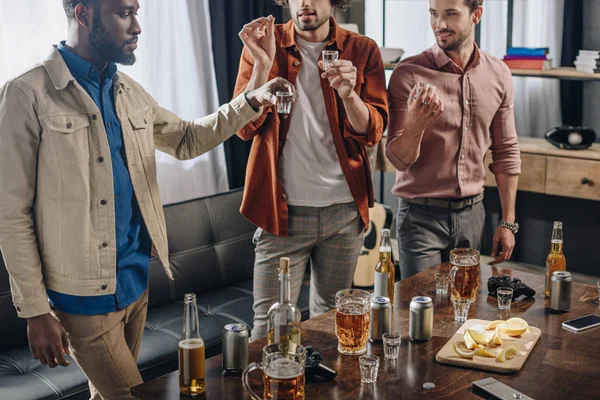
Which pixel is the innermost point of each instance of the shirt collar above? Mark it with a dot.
(441, 58)
(337, 37)
(81, 68)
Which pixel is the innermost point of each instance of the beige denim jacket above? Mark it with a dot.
(56, 231)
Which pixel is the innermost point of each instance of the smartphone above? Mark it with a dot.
(490, 388)
(583, 323)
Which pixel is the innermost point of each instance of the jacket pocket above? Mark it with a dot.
(140, 125)
(69, 137)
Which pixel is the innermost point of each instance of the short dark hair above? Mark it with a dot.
(341, 4)
(69, 6)
(474, 4)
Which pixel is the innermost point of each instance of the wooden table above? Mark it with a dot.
(563, 365)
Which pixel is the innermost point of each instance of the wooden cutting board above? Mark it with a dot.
(525, 343)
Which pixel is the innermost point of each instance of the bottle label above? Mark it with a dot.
(381, 285)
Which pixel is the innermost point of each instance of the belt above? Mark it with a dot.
(454, 204)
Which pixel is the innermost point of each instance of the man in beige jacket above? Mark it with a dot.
(80, 210)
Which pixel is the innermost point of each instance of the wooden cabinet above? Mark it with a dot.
(550, 170)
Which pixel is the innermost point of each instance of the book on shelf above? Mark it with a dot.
(528, 64)
(528, 51)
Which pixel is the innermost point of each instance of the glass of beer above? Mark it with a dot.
(352, 319)
(283, 370)
(464, 275)
(191, 350)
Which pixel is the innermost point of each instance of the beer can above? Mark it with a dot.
(560, 291)
(235, 347)
(381, 318)
(421, 319)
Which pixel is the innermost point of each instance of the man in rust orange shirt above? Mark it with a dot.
(308, 182)
(448, 106)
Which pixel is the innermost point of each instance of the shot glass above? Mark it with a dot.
(284, 102)
(504, 298)
(329, 56)
(369, 365)
(441, 283)
(391, 345)
(461, 310)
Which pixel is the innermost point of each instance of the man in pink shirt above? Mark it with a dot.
(448, 106)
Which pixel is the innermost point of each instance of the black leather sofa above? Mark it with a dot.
(212, 255)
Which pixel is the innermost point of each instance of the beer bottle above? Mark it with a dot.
(284, 317)
(191, 350)
(385, 271)
(556, 260)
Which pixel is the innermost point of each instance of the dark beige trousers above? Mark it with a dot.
(106, 348)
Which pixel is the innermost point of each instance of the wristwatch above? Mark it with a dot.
(514, 228)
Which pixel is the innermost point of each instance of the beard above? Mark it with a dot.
(309, 26)
(456, 44)
(101, 41)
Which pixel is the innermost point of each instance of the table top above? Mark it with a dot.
(562, 364)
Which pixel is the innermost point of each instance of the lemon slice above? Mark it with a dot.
(493, 324)
(463, 353)
(517, 320)
(515, 328)
(481, 351)
(497, 339)
(469, 342)
(507, 354)
(481, 337)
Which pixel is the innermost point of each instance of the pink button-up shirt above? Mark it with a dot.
(478, 115)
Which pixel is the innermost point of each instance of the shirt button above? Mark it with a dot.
(467, 102)
(18, 309)
(100, 159)
(94, 117)
(462, 156)
(69, 125)
(296, 63)
(285, 116)
(284, 196)
(103, 287)
(105, 244)
(108, 124)
(103, 202)
(461, 182)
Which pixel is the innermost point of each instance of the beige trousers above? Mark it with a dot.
(106, 348)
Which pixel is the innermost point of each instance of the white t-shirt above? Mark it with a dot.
(309, 167)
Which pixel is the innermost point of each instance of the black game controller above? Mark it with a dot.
(315, 370)
(518, 287)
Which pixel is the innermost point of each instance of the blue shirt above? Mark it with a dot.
(133, 241)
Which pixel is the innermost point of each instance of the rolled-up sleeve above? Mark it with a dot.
(399, 89)
(506, 156)
(374, 96)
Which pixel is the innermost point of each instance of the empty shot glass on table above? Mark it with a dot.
(391, 345)
(284, 102)
(461, 310)
(329, 56)
(505, 295)
(441, 283)
(369, 366)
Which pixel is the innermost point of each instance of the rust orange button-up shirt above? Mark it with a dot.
(264, 202)
(478, 115)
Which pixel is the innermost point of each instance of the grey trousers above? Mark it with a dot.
(330, 237)
(426, 234)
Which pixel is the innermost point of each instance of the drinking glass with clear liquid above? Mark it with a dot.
(464, 275)
(329, 56)
(284, 102)
(191, 350)
(283, 370)
(505, 295)
(556, 260)
(352, 318)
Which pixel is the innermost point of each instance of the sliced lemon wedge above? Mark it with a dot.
(469, 342)
(507, 354)
(481, 351)
(497, 339)
(463, 353)
(517, 320)
(481, 337)
(493, 324)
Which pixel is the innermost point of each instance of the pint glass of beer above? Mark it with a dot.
(464, 275)
(283, 370)
(352, 320)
